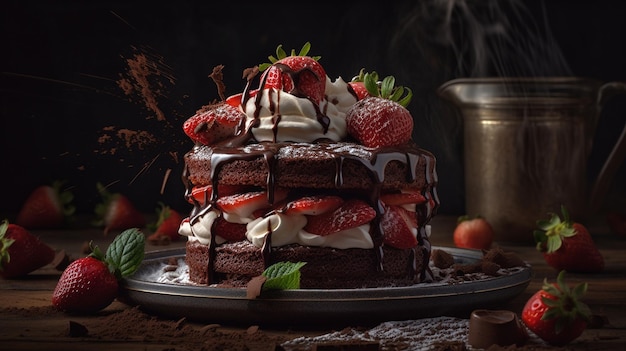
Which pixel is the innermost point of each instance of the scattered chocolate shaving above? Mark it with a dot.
(218, 78)
(442, 259)
(77, 330)
(253, 289)
(250, 73)
(61, 260)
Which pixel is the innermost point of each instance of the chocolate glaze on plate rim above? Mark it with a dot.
(310, 308)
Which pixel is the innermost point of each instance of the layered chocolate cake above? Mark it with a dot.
(305, 169)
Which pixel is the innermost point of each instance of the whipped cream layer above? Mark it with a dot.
(281, 229)
(277, 116)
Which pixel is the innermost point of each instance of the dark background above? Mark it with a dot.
(62, 61)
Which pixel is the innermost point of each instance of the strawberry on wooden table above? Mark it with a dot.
(21, 252)
(47, 207)
(556, 313)
(117, 212)
(167, 224)
(473, 233)
(567, 245)
(381, 119)
(91, 283)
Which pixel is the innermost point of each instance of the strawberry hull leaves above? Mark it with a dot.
(556, 313)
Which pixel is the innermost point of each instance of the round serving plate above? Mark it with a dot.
(318, 307)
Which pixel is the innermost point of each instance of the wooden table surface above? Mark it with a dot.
(23, 328)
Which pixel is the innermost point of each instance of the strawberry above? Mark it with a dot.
(117, 212)
(166, 225)
(229, 231)
(555, 313)
(398, 226)
(352, 213)
(202, 194)
(46, 207)
(235, 100)
(90, 284)
(403, 198)
(214, 123)
(357, 84)
(245, 204)
(563, 243)
(382, 118)
(297, 74)
(21, 252)
(473, 233)
(313, 205)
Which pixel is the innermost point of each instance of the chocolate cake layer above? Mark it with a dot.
(340, 165)
(327, 268)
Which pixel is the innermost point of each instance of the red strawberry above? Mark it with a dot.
(202, 194)
(313, 205)
(398, 226)
(20, 251)
(46, 207)
(563, 243)
(352, 213)
(214, 123)
(473, 233)
(90, 284)
(167, 224)
(245, 204)
(117, 212)
(556, 313)
(404, 198)
(381, 119)
(297, 74)
(357, 84)
(235, 100)
(229, 231)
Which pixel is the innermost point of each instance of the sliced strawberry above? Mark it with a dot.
(214, 123)
(229, 231)
(245, 204)
(202, 194)
(352, 213)
(48, 206)
(405, 198)
(398, 227)
(313, 205)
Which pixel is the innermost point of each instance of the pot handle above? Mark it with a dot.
(616, 157)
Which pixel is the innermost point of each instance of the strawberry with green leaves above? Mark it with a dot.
(47, 207)
(381, 119)
(567, 245)
(556, 313)
(21, 252)
(297, 74)
(117, 212)
(167, 224)
(91, 283)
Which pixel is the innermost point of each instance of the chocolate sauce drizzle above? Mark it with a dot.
(233, 149)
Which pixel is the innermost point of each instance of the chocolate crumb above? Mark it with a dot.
(77, 330)
(355, 345)
(449, 346)
(442, 259)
